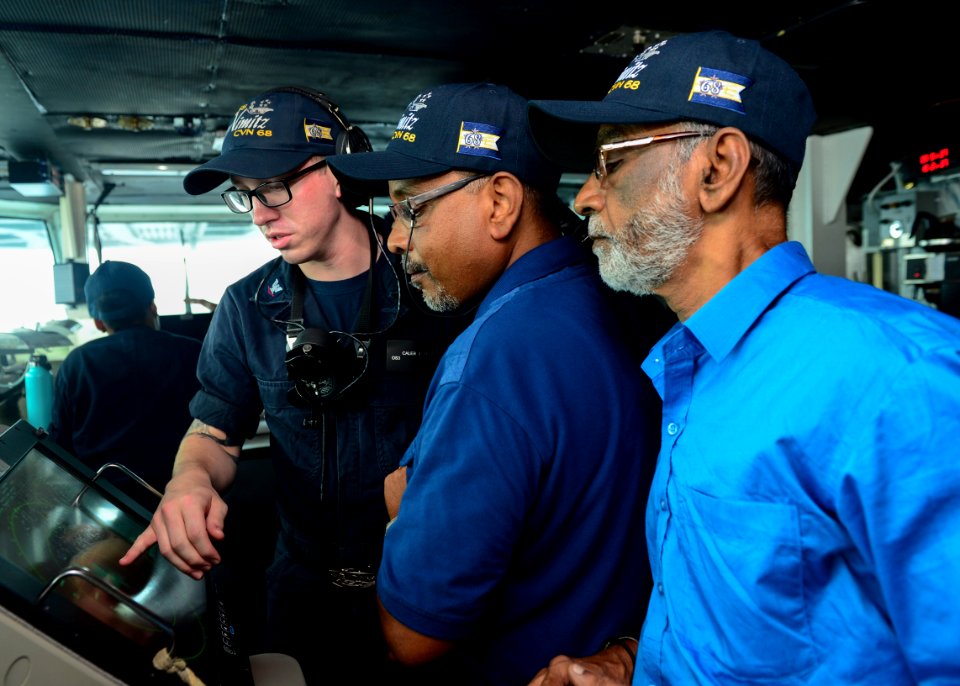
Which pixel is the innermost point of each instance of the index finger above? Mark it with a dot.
(140, 546)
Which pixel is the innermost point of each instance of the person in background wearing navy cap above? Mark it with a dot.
(522, 491)
(124, 398)
(803, 524)
(327, 345)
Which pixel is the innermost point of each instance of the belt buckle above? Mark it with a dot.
(350, 577)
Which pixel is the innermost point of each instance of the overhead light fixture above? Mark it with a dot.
(147, 170)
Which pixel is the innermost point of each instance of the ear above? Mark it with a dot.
(327, 170)
(505, 194)
(726, 158)
(100, 325)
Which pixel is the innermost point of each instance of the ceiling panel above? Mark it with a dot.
(186, 66)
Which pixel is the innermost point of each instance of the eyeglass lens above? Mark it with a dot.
(270, 193)
(402, 210)
(407, 209)
(600, 156)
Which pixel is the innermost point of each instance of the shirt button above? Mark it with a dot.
(660, 588)
(672, 428)
(663, 504)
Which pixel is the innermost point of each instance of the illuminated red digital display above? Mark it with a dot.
(935, 161)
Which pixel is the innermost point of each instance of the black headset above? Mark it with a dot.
(351, 138)
(323, 365)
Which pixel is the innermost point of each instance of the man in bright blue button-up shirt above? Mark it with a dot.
(803, 525)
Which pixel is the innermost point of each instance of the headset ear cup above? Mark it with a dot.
(323, 365)
(352, 140)
(344, 145)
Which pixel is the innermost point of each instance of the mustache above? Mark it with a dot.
(411, 267)
(596, 228)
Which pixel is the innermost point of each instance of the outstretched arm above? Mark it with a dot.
(191, 514)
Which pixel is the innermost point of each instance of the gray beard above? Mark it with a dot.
(656, 240)
(438, 301)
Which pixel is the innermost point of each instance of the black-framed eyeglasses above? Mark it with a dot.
(407, 209)
(270, 193)
(600, 162)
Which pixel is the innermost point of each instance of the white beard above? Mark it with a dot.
(645, 253)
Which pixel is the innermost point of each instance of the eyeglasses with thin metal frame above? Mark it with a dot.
(600, 162)
(270, 193)
(406, 210)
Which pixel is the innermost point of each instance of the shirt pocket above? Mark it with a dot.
(274, 395)
(741, 603)
(300, 445)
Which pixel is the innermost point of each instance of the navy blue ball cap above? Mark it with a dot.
(711, 77)
(271, 134)
(478, 127)
(118, 290)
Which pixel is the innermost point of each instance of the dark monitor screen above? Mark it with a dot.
(61, 534)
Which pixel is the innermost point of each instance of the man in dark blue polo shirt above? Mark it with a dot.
(516, 536)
